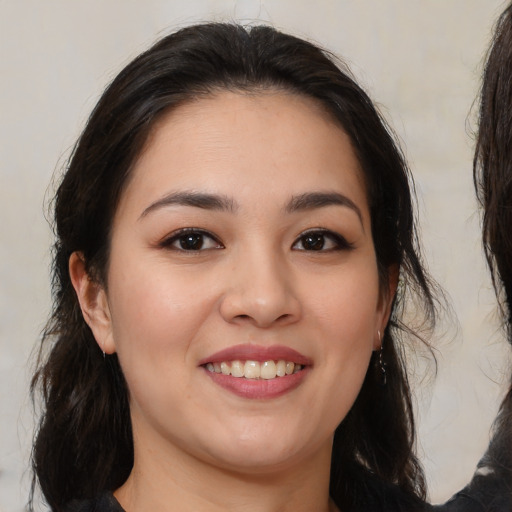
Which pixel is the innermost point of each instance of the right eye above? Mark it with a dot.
(191, 240)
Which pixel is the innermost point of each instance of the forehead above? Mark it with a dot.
(270, 142)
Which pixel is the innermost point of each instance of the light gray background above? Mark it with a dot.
(419, 59)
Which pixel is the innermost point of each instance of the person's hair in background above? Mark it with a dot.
(84, 443)
(493, 182)
(490, 489)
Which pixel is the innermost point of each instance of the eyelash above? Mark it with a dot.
(168, 243)
(339, 242)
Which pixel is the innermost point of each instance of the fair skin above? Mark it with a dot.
(276, 265)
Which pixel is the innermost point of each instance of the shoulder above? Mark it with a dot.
(487, 492)
(103, 503)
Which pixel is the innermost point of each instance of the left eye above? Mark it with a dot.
(321, 241)
(191, 240)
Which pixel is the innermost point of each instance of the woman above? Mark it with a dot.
(491, 487)
(230, 232)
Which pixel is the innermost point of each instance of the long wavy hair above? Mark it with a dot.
(84, 444)
(492, 174)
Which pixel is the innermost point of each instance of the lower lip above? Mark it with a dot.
(259, 388)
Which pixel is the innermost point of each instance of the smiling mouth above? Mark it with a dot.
(255, 370)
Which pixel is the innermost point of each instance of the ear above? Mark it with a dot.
(93, 303)
(387, 296)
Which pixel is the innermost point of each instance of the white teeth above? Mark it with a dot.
(254, 369)
(225, 368)
(268, 370)
(237, 369)
(281, 368)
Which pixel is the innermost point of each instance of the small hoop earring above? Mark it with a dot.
(382, 363)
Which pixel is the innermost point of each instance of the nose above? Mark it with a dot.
(261, 291)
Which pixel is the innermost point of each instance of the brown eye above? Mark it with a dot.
(191, 240)
(321, 241)
(313, 242)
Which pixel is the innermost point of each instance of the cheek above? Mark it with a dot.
(155, 317)
(154, 325)
(347, 315)
(348, 304)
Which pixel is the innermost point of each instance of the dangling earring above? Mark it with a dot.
(382, 363)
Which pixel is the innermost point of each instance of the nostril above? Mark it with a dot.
(250, 308)
(278, 319)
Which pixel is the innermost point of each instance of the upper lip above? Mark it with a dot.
(259, 353)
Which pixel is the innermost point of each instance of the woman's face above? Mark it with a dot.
(243, 295)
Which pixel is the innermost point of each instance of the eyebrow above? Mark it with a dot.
(205, 201)
(312, 200)
(195, 199)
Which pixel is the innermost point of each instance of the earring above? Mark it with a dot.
(382, 363)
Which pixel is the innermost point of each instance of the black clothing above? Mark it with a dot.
(103, 503)
(488, 491)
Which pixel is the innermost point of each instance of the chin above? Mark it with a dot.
(258, 463)
(265, 450)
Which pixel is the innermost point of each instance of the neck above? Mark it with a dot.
(169, 480)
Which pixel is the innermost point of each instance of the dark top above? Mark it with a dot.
(488, 491)
(103, 503)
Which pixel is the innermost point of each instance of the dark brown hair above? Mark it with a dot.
(84, 442)
(492, 173)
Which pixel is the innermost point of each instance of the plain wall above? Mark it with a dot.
(419, 59)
